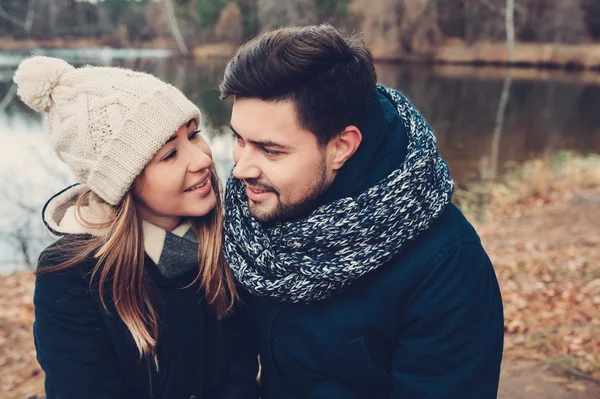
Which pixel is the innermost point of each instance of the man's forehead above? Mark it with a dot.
(267, 121)
(253, 110)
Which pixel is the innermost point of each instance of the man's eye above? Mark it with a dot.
(238, 138)
(271, 152)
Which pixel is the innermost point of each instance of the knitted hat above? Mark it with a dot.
(106, 123)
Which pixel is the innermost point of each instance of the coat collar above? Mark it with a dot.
(382, 150)
(60, 217)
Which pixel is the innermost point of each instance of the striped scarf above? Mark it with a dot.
(315, 257)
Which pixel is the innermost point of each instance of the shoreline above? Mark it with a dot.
(537, 56)
(542, 56)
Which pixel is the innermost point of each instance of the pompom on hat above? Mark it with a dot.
(106, 123)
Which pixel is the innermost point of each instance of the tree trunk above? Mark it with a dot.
(510, 43)
(30, 16)
(174, 27)
(510, 30)
(52, 18)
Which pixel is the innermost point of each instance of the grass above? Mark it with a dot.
(535, 182)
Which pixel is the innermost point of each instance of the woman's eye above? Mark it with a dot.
(169, 156)
(194, 135)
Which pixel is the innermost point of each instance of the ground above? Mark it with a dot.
(548, 264)
(545, 252)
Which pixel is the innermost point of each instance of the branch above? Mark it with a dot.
(11, 18)
(8, 97)
(490, 6)
(15, 200)
(576, 373)
(53, 172)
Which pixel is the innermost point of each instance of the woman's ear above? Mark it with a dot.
(344, 145)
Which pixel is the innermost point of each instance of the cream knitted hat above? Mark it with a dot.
(106, 123)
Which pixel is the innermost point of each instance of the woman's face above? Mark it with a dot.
(177, 181)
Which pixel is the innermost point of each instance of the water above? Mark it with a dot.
(546, 112)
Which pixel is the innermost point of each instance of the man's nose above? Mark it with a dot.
(245, 166)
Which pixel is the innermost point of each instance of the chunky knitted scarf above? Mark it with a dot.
(315, 257)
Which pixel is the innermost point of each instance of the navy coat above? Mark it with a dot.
(429, 324)
(87, 353)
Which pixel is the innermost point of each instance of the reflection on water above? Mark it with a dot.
(546, 112)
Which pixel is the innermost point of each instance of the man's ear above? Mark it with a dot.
(344, 145)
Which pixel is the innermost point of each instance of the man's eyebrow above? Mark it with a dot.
(262, 143)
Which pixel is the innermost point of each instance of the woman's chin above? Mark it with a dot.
(202, 206)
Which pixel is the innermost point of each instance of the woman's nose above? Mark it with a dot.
(199, 160)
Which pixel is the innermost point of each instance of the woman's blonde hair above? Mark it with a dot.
(119, 254)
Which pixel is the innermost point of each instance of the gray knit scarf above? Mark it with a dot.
(318, 256)
(174, 253)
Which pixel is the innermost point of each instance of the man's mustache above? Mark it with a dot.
(254, 183)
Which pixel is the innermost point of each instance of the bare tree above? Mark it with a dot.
(229, 26)
(394, 27)
(419, 24)
(504, 96)
(30, 16)
(510, 30)
(20, 233)
(379, 22)
(562, 22)
(21, 227)
(174, 27)
(52, 16)
(274, 13)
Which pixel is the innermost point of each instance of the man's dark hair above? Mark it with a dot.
(330, 79)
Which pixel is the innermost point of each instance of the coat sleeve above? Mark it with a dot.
(73, 346)
(240, 380)
(450, 342)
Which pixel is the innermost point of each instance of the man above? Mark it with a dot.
(358, 277)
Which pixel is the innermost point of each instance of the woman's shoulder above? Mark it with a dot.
(64, 250)
(52, 278)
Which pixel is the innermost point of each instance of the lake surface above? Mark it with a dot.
(546, 112)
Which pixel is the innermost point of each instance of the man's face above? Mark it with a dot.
(283, 166)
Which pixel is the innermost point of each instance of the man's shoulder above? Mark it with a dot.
(452, 231)
(449, 233)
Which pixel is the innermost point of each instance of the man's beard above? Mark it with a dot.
(284, 212)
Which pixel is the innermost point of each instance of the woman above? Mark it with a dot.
(128, 301)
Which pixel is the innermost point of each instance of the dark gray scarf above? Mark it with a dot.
(318, 256)
(175, 253)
